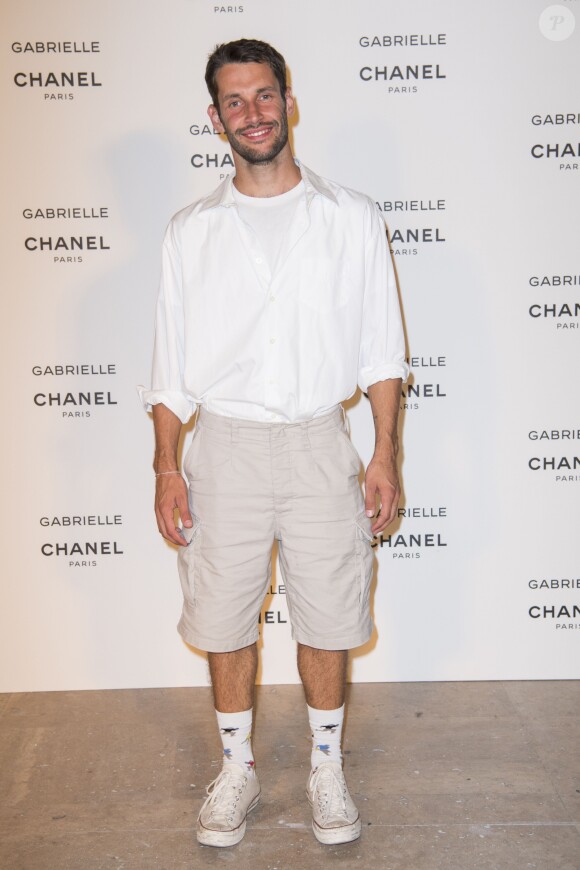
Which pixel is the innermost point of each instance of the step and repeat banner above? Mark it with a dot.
(463, 124)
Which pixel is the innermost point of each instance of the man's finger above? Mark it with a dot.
(171, 532)
(388, 509)
(183, 510)
(161, 523)
(370, 499)
(171, 496)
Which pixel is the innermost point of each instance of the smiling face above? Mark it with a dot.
(252, 112)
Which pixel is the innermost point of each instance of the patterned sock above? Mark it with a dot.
(236, 735)
(326, 727)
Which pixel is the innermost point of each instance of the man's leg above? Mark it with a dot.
(233, 676)
(222, 820)
(323, 675)
(326, 561)
(225, 572)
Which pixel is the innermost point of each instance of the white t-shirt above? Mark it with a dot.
(270, 217)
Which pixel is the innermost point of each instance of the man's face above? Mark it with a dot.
(252, 112)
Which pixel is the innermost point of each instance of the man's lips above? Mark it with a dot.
(256, 134)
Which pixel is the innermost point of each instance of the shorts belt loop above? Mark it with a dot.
(235, 425)
(304, 433)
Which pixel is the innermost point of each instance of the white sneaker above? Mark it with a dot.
(335, 817)
(222, 818)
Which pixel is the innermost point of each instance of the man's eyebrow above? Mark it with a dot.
(258, 91)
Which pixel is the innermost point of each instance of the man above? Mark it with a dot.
(277, 296)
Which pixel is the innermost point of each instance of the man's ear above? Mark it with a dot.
(214, 117)
(290, 102)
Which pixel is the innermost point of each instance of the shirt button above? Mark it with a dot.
(272, 298)
(272, 341)
(259, 260)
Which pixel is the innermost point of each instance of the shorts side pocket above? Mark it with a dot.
(188, 560)
(351, 449)
(365, 558)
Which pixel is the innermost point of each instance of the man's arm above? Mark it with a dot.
(170, 489)
(382, 478)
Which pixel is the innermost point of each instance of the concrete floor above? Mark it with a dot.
(446, 775)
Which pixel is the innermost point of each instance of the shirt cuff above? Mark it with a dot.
(367, 377)
(176, 401)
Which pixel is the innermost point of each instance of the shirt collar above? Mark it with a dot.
(314, 184)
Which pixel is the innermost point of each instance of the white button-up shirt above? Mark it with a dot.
(287, 346)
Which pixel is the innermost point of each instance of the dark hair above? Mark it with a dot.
(243, 51)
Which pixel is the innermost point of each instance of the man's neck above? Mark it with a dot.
(267, 179)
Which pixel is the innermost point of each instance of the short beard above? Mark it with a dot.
(260, 158)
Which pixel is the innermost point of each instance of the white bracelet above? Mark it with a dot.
(160, 473)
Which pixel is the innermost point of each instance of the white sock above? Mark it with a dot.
(326, 728)
(236, 735)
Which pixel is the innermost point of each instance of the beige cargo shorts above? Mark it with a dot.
(251, 483)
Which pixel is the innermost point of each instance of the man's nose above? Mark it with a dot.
(254, 112)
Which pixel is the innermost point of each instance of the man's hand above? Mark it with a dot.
(382, 478)
(382, 482)
(170, 489)
(171, 494)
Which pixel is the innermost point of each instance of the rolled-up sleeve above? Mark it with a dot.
(382, 347)
(167, 378)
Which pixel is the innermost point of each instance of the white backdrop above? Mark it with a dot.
(463, 124)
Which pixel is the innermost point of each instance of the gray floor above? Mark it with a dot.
(446, 775)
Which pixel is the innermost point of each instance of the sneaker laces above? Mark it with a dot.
(329, 789)
(223, 794)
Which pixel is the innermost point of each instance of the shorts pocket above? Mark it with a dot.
(208, 452)
(351, 450)
(364, 541)
(190, 462)
(363, 525)
(333, 448)
(188, 560)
